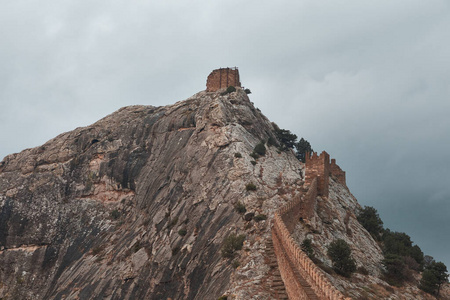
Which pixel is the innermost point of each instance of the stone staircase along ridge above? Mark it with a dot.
(302, 279)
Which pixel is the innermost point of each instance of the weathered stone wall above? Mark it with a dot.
(222, 78)
(318, 166)
(293, 263)
(298, 272)
(337, 172)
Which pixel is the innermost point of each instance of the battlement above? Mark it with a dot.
(319, 166)
(222, 78)
(337, 172)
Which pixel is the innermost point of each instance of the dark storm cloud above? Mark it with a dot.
(368, 82)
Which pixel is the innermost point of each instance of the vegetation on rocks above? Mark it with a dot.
(434, 275)
(370, 220)
(260, 149)
(307, 247)
(340, 253)
(250, 187)
(303, 147)
(240, 207)
(260, 217)
(229, 90)
(231, 244)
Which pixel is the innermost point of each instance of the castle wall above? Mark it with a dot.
(337, 172)
(222, 78)
(300, 275)
(318, 166)
(296, 268)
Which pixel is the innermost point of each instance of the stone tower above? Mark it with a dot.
(222, 78)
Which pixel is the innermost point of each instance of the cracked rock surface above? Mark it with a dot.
(136, 206)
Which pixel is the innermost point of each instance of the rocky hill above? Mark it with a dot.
(139, 206)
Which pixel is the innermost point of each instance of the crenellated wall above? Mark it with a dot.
(318, 167)
(337, 172)
(300, 275)
(222, 78)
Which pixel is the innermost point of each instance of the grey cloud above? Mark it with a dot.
(368, 82)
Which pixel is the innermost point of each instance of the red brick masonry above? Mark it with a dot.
(222, 78)
(297, 270)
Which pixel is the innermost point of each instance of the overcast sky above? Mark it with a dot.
(367, 81)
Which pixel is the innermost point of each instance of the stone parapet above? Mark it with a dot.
(297, 270)
(337, 172)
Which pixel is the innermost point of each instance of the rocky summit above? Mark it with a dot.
(172, 203)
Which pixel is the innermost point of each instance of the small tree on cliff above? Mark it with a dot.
(370, 220)
(286, 138)
(433, 277)
(340, 253)
(303, 146)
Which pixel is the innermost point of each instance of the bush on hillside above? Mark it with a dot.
(340, 253)
(231, 244)
(368, 217)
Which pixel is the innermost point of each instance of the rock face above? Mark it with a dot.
(137, 206)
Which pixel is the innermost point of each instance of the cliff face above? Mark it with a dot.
(96, 213)
(137, 206)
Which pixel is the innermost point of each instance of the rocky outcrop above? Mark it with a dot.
(137, 205)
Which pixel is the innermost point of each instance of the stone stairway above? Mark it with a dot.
(276, 283)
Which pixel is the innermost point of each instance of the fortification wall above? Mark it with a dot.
(222, 78)
(337, 172)
(296, 268)
(318, 167)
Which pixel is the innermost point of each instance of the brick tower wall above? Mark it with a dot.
(318, 166)
(337, 172)
(222, 78)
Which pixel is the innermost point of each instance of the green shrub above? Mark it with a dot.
(261, 217)
(260, 149)
(247, 91)
(175, 250)
(253, 162)
(272, 142)
(240, 207)
(224, 297)
(340, 253)
(231, 244)
(433, 277)
(399, 243)
(250, 187)
(115, 214)
(303, 147)
(286, 138)
(238, 155)
(182, 232)
(396, 271)
(370, 220)
(254, 155)
(137, 246)
(307, 247)
(229, 90)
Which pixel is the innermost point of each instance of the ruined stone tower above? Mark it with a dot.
(222, 78)
(319, 166)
